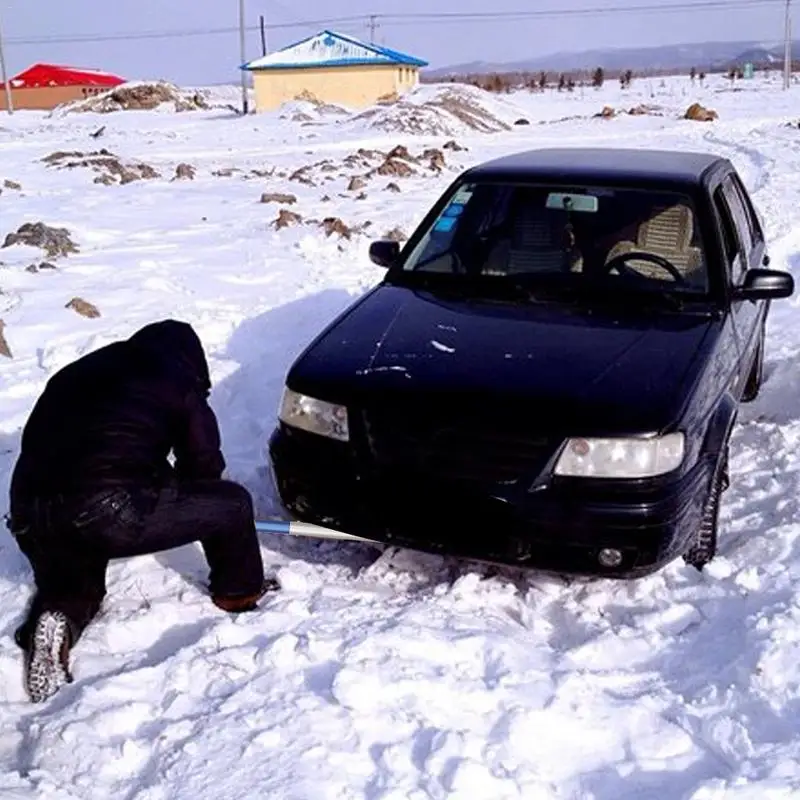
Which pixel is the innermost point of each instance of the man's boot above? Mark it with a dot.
(245, 602)
(47, 668)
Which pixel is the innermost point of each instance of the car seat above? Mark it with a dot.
(537, 243)
(668, 233)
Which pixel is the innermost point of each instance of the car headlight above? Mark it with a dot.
(621, 458)
(314, 416)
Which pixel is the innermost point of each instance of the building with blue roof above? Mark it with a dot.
(334, 69)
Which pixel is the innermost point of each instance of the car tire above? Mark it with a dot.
(704, 545)
(754, 380)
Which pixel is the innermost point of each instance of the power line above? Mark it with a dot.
(444, 16)
(179, 34)
(372, 20)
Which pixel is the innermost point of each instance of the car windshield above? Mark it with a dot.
(601, 237)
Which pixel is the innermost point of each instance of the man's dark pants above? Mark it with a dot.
(69, 543)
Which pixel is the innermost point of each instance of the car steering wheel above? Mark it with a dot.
(619, 263)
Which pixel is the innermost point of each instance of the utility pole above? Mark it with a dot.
(4, 76)
(263, 35)
(787, 47)
(373, 25)
(243, 57)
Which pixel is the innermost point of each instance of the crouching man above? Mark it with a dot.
(93, 482)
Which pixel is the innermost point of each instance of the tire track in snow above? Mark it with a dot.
(759, 537)
(771, 184)
(762, 163)
(773, 190)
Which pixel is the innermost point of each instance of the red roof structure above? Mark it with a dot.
(48, 76)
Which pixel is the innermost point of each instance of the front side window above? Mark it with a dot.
(753, 223)
(646, 238)
(730, 239)
(739, 213)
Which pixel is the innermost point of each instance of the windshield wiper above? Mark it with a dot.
(522, 288)
(461, 286)
(662, 298)
(495, 290)
(588, 295)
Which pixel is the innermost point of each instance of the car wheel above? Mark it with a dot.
(756, 376)
(704, 546)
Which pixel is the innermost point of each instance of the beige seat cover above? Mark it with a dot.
(667, 233)
(536, 244)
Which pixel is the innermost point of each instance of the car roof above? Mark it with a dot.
(601, 165)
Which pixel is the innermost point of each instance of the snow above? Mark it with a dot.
(442, 348)
(385, 675)
(328, 48)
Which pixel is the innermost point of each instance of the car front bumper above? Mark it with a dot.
(561, 527)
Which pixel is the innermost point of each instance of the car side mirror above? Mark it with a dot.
(384, 252)
(764, 284)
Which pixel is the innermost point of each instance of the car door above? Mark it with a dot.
(742, 253)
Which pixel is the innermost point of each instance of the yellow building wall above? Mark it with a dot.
(354, 86)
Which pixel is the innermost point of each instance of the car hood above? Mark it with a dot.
(567, 367)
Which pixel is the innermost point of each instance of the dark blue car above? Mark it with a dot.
(549, 373)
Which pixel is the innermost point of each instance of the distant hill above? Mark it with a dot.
(705, 56)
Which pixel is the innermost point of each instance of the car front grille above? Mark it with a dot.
(465, 449)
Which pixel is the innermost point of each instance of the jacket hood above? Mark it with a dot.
(176, 344)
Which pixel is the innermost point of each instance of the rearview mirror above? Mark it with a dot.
(765, 284)
(572, 202)
(384, 252)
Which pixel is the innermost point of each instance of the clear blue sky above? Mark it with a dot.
(214, 58)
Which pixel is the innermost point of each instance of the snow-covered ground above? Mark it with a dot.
(393, 676)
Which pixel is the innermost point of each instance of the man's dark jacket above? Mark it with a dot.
(111, 418)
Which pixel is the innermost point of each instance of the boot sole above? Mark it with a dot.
(238, 605)
(46, 672)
